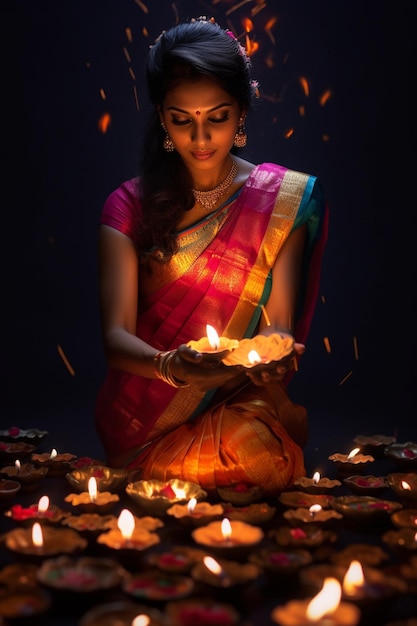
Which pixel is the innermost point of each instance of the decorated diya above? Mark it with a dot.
(404, 455)
(27, 474)
(107, 478)
(402, 540)
(93, 501)
(41, 512)
(404, 485)
(298, 499)
(405, 518)
(261, 350)
(374, 444)
(352, 463)
(316, 484)
(156, 496)
(282, 562)
(308, 536)
(365, 508)
(155, 585)
(24, 605)
(256, 513)
(213, 347)
(58, 464)
(12, 451)
(366, 485)
(89, 525)
(18, 576)
(367, 554)
(224, 573)
(37, 543)
(178, 561)
(8, 491)
(228, 539)
(122, 613)
(204, 611)
(28, 435)
(315, 514)
(240, 494)
(193, 513)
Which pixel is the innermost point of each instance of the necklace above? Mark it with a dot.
(208, 199)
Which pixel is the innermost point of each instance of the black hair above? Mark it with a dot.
(188, 51)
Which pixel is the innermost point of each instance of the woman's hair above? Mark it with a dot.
(189, 51)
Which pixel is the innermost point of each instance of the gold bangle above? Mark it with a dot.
(162, 367)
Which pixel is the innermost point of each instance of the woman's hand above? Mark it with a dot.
(201, 372)
(266, 373)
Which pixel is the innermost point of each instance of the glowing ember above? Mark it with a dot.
(126, 523)
(212, 337)
(37, 536)
(353, 578)
(326, 601)
(43, 504)
(104, 123)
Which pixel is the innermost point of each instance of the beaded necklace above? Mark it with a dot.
(208, 199)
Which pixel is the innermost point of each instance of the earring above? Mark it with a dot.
(241, 136)
(168, 145)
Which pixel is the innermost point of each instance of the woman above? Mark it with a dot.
(204, 237)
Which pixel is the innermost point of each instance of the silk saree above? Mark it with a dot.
(220, 276)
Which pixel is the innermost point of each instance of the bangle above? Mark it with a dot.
(162, 362)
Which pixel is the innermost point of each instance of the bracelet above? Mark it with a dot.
(162, 362)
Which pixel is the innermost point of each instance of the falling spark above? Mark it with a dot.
(251, 46)
(104, 122)
(102, 94)
(325, 97)
(145, 32)
(289, 133)
(323, 299)
(128, 32)
(64, 358)
(135, 94)
(237, 6)
(327, 344)
(305, 86)
(268, 26)
(301, 110)
(345, 378)
(247, 25)
(258, 8)
(132, 73)
(355, 348)
(127, 55)
(142, 6)
(267, 320)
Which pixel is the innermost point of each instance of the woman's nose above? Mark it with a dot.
(201, 134)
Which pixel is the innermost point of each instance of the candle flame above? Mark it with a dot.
(17, 465)
(326, 601)
(191, 505)
(226, 528)
(212, 565)
(353, 453)
(253, 357)
(405, 485)
(37, 536)
(53, 453)
(315, 508)
(180, 494)
(92, 488)
(43, 504)
(213, 337)
(353, 578)
(141, 620)
(126, 523)
(316, 477)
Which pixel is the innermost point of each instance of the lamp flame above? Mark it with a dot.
(53, 454)
(353, 453)
(213, 337)
(326, 601)
(141, 620)
(212, 565)
(315, 508)
(191, 505)
(17, 465)
(43, 504)
(253, 357)
(316, 477)
(226, 528)
(405, 485)
(126, 523)
(37, 536)
(92, 488)
(353, 578)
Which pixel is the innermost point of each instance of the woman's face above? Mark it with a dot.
(201, 119)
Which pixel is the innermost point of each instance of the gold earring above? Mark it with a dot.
(241, 136)
(168, 145)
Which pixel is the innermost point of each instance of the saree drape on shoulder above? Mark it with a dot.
(220, 276)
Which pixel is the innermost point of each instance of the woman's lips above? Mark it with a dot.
(202, 156)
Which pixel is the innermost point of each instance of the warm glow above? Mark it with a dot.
(180, 494)
(316, 477)
(353, 453)
(191, 505)
(53, 453)
(326, 601)
(104, 122)
(37, 536)
(253, 357)
(415, 537)
(405, 485)
(126, 523)
(92, 488)
(212, 565)
(353, 578)
(17, 465)
(226, 528)
(43, 504)
(141, 620)
(315, 508)
(213, 337)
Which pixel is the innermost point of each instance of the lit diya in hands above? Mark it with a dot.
(213, 347)
(261, 350)
(43, 512)
(324, 609)
(40, 542)
(93, 501)
(228, 538)
(351, 463)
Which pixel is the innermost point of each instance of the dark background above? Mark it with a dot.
(59, 168)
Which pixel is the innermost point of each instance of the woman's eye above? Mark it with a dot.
(219, 120)
(180, 122)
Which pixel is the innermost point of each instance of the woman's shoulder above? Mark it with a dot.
(122, 207)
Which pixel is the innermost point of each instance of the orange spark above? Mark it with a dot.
(102, 94)
(142, 6)
(251, 46)
(127, 55)
(258, 8)
(325, 97)
(135, 93)
(323, 299)
(132, 74)
(237, 6)
(104, 123)
(289, 133)
(355, 348)
(327, 344)
(301, 110)
(64, 358)
(247, 25)
(128, 32)
(268, 26)
(348, 375)
(304, 84)
(145, 32)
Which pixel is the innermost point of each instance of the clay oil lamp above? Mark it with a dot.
(366, 485)
(193, 611)
(83, 580)
(122, 613)
(225, 574)
(405, 487)
(212, 347)
(404, 455)
(298, 499)
(324, 609)
(24, 606)
(58, 464)
(316, 484)
(402, 541)
(19, 576)
(315, 514)
(27, 474)
(8, 491)
(367, 554)
(374, 445)
(107, 478)
(260, 350)
(127, 542)
(193, 513)
(147, 522)
(93, 501)
(180, 560)
(228, 539)
(256, 513)
(42, 512)
(89, 525)
(240, 494)
(307, 536)
(352, 463)
(282, 563)
(157, 586)
(28, 435)
(156, 496)
(40, 542)
(365, 509)
(405, 518)
(82, 462)
(10, 451)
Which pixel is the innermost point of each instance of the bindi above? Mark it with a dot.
(197, 113)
